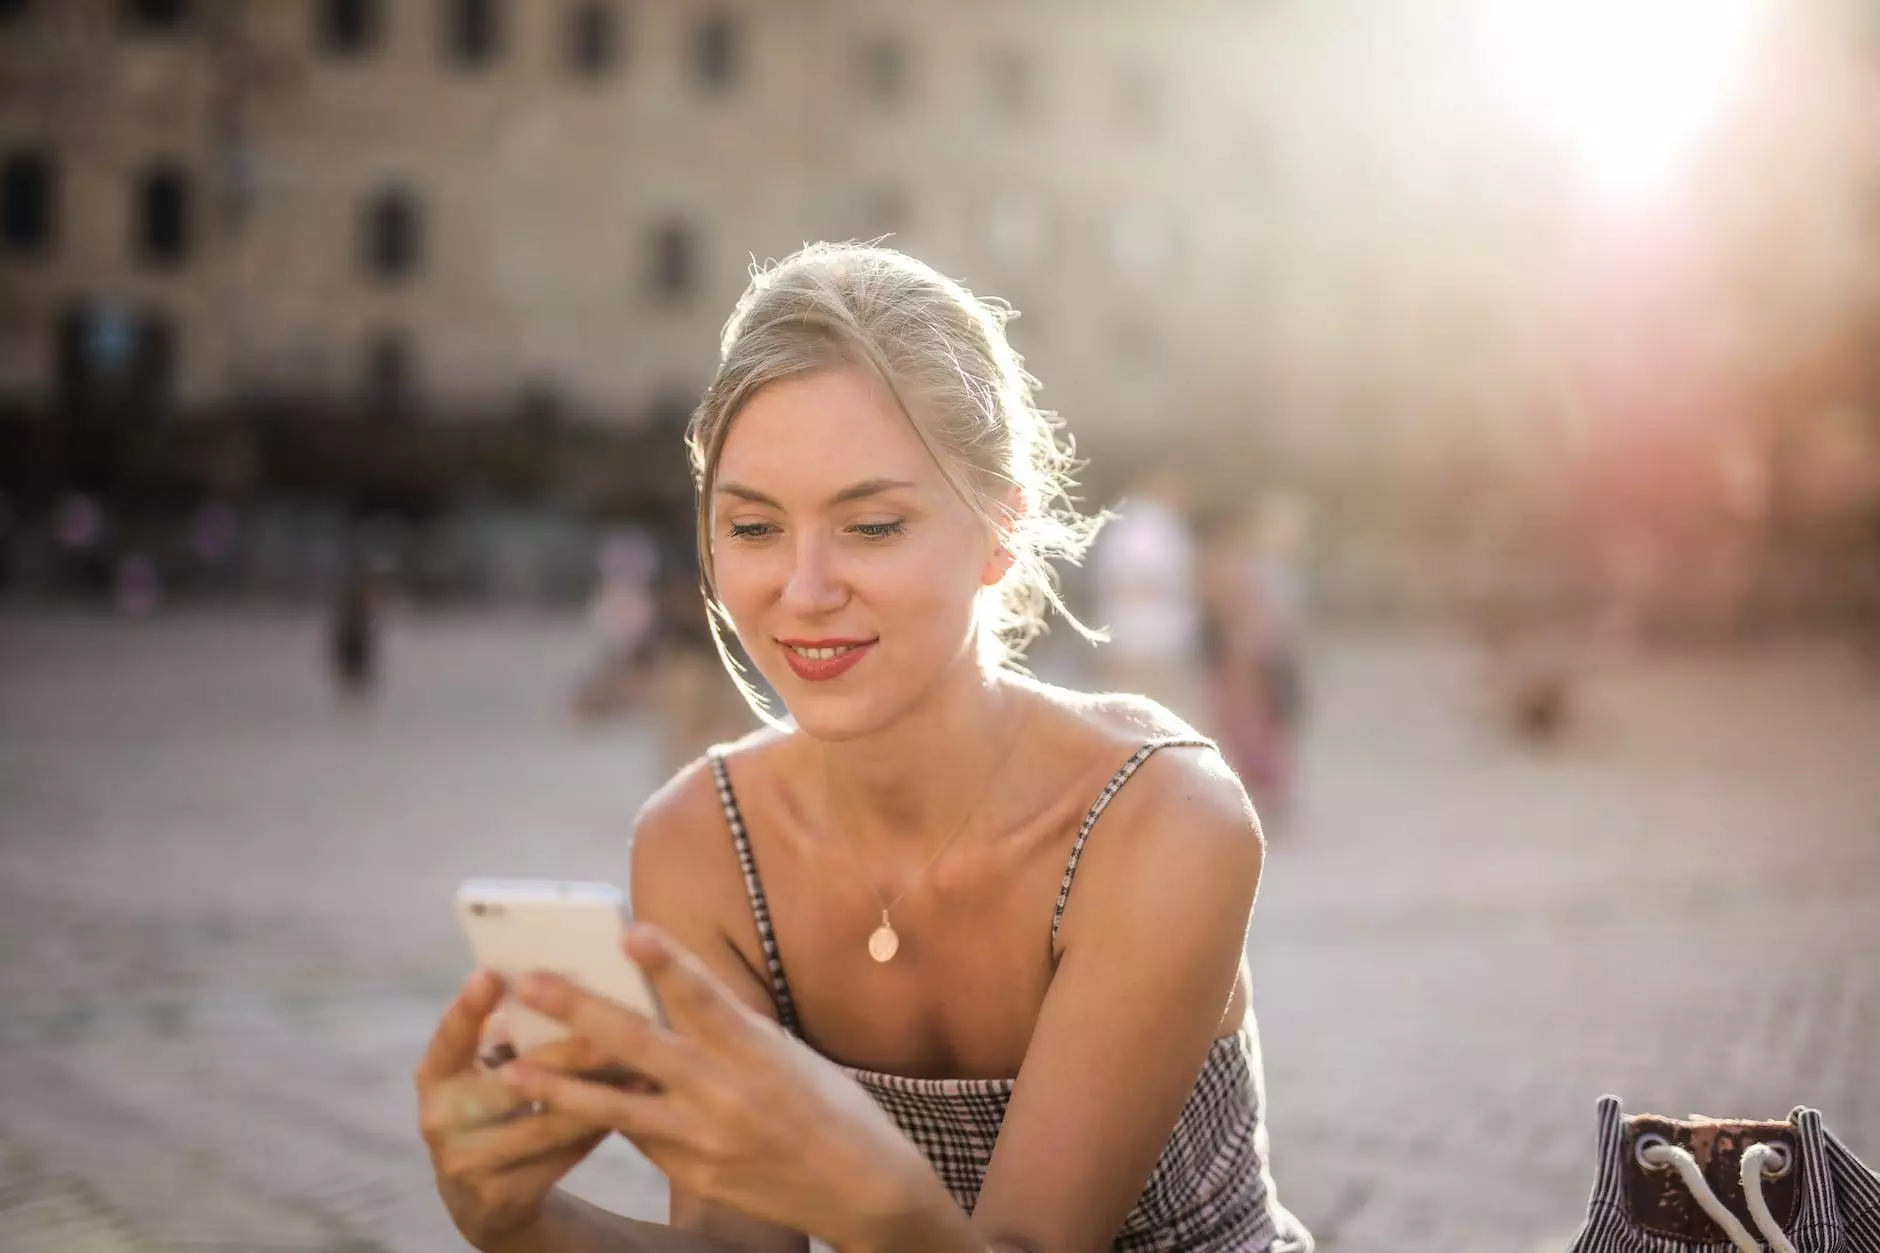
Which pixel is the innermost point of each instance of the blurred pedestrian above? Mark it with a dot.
(1256, 604)
(353, 635)
(624, 616)
(136, 585)
(1535, 626)
(1146, 578)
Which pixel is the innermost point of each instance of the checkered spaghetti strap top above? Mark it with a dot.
(1209, 1193)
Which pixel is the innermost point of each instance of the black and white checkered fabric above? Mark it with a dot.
(1838, 1210)
(1209, 1193)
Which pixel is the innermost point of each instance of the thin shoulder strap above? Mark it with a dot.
(1103, 802)
(754, 888)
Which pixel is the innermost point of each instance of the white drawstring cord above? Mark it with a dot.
(1753, 1158)
(1662, 1154)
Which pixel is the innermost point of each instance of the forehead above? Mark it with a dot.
(816, 433)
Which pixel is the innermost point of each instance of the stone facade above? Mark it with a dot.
(586, 233)
(1312, 247)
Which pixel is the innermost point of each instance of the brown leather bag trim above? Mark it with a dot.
(1663, 1205)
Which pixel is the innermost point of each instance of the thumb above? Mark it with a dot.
(648, 947)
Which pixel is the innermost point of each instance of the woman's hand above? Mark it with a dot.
(496, 1159)
(744, 1115)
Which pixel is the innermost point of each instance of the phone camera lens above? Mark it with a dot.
(478, 909)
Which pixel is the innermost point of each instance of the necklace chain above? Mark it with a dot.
(883, 944)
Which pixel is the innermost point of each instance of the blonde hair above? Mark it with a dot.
(943, 356)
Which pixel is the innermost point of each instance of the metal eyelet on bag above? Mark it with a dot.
(1779, 1160)
(1650, 1140)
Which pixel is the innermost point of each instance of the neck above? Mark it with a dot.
(908, 786)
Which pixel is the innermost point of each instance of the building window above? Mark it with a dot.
(153, 378)
(881, 68)
(26, 217)
(715, 52)
(474, 31)
(1011, 82)
(675, 261)
(154, 17)
(389, 371)
(350, 27)
(393, 235)
(109, 358)
(163, 216)
(593, 39)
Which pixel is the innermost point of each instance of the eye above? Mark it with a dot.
(879, 530)
(750, 530)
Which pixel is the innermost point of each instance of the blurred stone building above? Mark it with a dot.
(459, 203)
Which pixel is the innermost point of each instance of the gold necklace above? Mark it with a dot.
(883, 941)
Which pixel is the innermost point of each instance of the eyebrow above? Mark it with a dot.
(849, 494)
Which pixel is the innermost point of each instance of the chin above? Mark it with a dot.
(836, 719)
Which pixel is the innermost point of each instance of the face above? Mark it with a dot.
(848, 565)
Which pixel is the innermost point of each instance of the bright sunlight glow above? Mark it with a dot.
(1631, 85)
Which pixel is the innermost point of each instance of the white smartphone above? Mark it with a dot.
(571, 929)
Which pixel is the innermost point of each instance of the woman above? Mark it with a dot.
(919, 996)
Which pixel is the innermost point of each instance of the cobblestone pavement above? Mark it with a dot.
(224, 934)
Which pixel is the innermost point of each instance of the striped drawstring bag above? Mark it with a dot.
(1702, 1185)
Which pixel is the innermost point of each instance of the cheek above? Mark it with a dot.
(744, 585)
(929, 587)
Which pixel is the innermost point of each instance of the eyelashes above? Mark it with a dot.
(879, 530)
(867, 530)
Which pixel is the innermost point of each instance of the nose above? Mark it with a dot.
(814, 588)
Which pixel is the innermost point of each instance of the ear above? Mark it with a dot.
(997, 566)
(1003, 558)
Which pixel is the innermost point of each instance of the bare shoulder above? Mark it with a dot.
(1185, 800)
(1127, 716)
(687, 880)
(1180, 828)
(682, 845)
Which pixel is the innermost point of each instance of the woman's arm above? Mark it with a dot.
(686, 880)
(568, 1224)
(1152, 942)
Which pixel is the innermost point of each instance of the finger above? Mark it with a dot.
(637, 1115)
(574, 1053)
(575, 1056)
(690, 994)
(580, 1057)
(617, 1034)
(465, 1103)
(453, 1047)
(512, 1144)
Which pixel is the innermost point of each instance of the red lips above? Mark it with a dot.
(823, 669)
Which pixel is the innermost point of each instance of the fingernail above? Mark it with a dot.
(472, 984)
(536, 987)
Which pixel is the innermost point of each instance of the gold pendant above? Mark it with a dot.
(884, 943)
